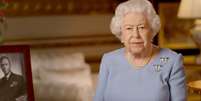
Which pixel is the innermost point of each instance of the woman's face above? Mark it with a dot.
(136, 32)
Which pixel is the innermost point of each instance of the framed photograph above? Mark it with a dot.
(175, 32)
(15, 74)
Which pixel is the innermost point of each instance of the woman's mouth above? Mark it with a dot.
(137, 43)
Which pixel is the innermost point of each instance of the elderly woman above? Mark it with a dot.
(140, 71)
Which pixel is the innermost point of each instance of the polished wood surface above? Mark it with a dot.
(195, 86)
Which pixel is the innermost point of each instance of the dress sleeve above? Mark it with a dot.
(102, 81)
(177, 81)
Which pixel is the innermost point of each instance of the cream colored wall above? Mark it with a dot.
(56, 26)
(89, 34)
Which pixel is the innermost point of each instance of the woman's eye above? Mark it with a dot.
(141, 27)
(128, 28)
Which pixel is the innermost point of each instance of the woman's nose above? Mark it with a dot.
(136, 33)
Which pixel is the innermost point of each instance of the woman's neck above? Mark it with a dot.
(141, 59)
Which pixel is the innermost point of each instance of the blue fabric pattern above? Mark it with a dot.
(162, 79)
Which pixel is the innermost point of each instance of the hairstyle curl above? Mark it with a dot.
(142, 6)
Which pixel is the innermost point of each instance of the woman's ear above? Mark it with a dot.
(121, 38)
(122, 41)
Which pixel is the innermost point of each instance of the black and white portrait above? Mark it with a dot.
(12, 77)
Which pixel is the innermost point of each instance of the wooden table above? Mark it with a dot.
(195, 87)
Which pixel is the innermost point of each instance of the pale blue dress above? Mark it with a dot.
(162, 79)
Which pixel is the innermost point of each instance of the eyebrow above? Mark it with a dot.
(133, 25)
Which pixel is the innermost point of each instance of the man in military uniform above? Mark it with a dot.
(12, 86)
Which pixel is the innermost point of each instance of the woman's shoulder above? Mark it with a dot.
(169, 52)
(167, 59)
(169, 55)
(114, 53)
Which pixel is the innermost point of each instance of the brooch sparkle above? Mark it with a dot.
(157, 67)
(164, 59)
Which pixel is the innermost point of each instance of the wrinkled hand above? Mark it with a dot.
(21, 98)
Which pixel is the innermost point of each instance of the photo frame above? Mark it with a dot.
(175, 32)
(15, 73)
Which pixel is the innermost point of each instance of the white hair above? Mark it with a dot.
(142, 6)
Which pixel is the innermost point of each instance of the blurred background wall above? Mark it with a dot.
(70, 25)
(83, 26)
